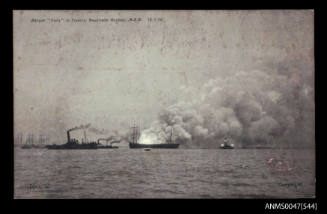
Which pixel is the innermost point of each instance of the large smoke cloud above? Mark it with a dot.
(271, 105)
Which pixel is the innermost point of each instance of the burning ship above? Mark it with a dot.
(134, 143)
(73, 143)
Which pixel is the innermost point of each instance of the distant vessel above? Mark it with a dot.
(108, 140)
(226, 144)
(74, 144)
(134, 144)
(18, 141)
(29, 144)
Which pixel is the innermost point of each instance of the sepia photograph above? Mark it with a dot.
(164, 104)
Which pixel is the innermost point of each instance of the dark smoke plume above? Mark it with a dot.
(80, 127)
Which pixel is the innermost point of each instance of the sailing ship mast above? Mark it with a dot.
(135, 133)
(19, 138)
(171, 135)
(30, 139)
(85, 139)
(41, 139)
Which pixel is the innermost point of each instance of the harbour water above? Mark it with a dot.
(164, 173)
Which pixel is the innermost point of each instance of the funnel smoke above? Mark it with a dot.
(80, 127)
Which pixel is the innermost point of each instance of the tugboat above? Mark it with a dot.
(74, 144)
(226, 144)
(134, 144)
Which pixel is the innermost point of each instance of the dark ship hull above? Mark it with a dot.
(107, 147)
(227, 147)
(154, 146)
(33, 146)
(27, 147)
(73, 146)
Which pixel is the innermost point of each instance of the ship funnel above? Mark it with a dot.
(68, 136)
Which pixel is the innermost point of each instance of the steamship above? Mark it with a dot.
(134, 144)
(74, 144)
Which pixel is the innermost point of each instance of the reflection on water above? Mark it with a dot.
(166, 173)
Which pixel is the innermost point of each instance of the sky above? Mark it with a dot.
(111, 74)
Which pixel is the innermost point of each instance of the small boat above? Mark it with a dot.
(226, 144)
(147, 149)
